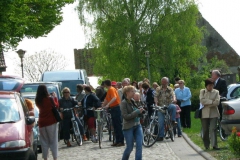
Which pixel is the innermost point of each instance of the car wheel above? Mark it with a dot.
(32, 156)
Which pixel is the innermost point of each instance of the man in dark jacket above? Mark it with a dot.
(220, 85)
(149, 94)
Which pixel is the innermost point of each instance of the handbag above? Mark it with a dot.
(55, 111)
(198, 113)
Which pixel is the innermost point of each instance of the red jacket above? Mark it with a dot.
(46, 117)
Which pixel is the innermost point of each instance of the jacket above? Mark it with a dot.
(129, 113)
(210, 101)
(221, 86)
(91, 101)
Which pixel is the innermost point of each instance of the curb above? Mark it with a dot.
(197, 148)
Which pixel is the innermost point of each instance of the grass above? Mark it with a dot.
(194, 134)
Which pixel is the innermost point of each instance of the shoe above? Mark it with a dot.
(216, 148)
(120, 144)
(94, 140)
(84, 137)
(160, 139)
(179, 136)
(206, 148)
(114, 144)
(174, 123)
(69, 144)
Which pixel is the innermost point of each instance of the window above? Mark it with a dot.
(235, 93)
(9, 111)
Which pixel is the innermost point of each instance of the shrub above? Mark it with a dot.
(234, 142)
(195, 99)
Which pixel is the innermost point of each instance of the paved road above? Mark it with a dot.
(165, 150)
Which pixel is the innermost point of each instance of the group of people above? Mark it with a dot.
(122, 101)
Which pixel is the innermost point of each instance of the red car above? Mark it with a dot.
(16, 125)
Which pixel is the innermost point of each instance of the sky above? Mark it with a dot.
(223, 15)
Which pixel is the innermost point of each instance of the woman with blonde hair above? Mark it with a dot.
(68, 102)
(131, 124)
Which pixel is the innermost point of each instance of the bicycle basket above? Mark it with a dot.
(98, 114)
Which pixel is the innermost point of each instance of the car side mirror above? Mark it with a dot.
(30, 120)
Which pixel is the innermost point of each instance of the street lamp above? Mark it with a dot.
(147, 55)
(21, 53)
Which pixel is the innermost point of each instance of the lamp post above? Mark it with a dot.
(147, 55)
(21, 53)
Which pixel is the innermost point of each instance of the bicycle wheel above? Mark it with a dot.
(77, 134)
(100, 134)
(170, 131)
(150, 134)
(222, 134)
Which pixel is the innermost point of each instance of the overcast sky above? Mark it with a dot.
(223, 15)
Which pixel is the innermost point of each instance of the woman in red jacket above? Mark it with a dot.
(47, 123)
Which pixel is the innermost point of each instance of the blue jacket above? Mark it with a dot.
(184, 95)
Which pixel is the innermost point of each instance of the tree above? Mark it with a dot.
(28, 18)
(35, 65)
(196, 79)
(124, 30)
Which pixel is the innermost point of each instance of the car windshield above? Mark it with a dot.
(9, 111)
(33, 89)
(72, 85)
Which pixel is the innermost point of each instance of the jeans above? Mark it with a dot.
(177, 129)
(161, 116)
(117, 123)
(131, 134)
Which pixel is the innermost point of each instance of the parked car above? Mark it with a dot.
(30, 89)
(233, 91)
(231, 115)
(17, 138)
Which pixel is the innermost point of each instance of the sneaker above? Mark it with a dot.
(174, 123)
(94, 140)
(84, 137)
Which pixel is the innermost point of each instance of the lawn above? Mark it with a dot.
(194, 134)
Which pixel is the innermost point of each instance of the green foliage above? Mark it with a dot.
(195, 98)
(124, 30)
(196, 80)
(28, 18)
(234, 142)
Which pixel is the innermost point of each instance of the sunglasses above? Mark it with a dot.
(66, 92)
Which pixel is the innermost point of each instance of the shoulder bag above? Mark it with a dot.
(55, 111)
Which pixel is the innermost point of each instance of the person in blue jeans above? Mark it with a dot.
(164, 96)
(132, 129)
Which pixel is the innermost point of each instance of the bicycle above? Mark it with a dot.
(111, 134)
(168, 127)
(76, 131)
(99, 114)
(151, 131)
(221, 131)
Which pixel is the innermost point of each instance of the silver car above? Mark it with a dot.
(231, 115)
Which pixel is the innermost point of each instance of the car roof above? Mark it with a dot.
(11, 83)
(7, 94)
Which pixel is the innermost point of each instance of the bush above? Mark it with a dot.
(234, 142)
(195, 99)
